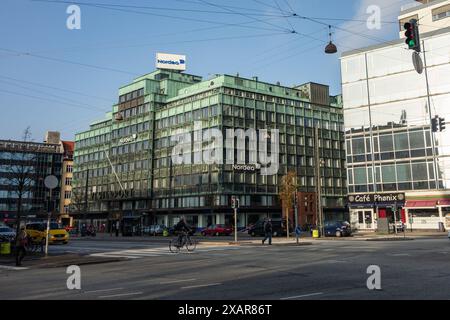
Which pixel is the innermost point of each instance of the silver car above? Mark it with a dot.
(7, 233)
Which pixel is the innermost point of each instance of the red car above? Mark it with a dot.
(217, 230)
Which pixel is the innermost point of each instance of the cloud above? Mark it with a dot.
(356, 34)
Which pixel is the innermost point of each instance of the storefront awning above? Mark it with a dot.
(444, 202)
(420, 204)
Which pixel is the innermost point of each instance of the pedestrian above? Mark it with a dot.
(268, 231)
(117, 228)
(21, 243)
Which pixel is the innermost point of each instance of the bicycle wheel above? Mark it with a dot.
(191, 244)
(173, 246)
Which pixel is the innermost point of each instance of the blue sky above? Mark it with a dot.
(53, 78)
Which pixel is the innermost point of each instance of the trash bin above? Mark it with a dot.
(441, 227)
(5, 248)
(315, 233)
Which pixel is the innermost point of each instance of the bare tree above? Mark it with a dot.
(77, 201)
(288, 188)
(22, 175)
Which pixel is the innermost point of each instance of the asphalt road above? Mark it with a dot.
(418, 269)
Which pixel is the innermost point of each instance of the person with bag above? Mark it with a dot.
(21, 243)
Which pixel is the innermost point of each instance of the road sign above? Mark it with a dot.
(417, 62)
(51, 182)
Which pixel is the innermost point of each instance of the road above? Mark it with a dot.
(417, 269)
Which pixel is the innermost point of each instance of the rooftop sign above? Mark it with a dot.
(170, 61)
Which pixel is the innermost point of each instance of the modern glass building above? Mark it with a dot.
(28, 163)
(396, 161)
(124, 161)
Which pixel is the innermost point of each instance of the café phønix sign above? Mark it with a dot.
(371, 198)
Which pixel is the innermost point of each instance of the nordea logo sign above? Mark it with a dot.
(170, 61)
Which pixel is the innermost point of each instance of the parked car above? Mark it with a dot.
(278, 228)
(217, 230)
(57, 234)
(7, 233)
(337, 229)
(157, 229)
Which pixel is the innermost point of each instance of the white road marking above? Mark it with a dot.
(155, 252)
(12, 268)
(177, 281)
(201, 286)
(103, 290)
(400, 254)
(106, 255)
(121, 295)
(303, 296)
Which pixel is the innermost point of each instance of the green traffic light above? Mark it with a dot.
(412, 43)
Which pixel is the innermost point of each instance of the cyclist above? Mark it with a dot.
(183, 230)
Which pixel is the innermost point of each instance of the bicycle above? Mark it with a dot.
(186, 241)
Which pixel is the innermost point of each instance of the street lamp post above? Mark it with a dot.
(50, 182)
(235, 206)
(296, 215)
(319, 163)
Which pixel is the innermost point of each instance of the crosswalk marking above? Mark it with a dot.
(155, 252)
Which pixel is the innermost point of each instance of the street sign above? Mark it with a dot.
(51, 182)
(417, 62)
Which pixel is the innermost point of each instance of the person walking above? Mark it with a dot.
(268, 231)
(21, 243)
(117, 228)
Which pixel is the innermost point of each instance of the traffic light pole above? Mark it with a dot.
(235, 225)
(433, 140)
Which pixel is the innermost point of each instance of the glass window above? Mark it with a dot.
(419, 171)
(403, 172)
(358, 146)
(386, 143)
(401, 141)
(388, 173)
(360, 176)
(416, 140)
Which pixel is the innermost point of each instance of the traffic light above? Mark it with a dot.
(441, 124)
(412, 35)
(435, 124)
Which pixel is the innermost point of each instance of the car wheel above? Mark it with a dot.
(65, 242)
(217, 234)
(203, 234)
(338, 234)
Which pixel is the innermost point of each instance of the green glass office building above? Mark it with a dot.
(123, 169)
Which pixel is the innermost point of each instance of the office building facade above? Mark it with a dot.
(397, 159)
(29, 163)
(123, 164)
